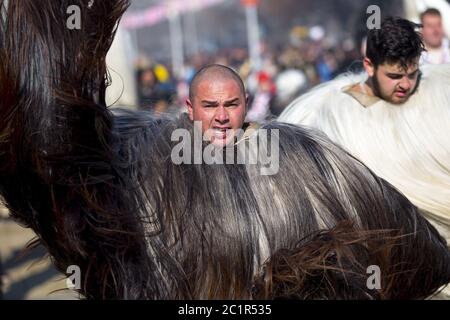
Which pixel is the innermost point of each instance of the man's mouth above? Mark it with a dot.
(401, 94)
(220, 132)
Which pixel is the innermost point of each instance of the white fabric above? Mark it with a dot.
(440, 56)
(407, 145)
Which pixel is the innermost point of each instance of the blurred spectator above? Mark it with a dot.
(437, 45)
(327, 66)
(290, 83)
(260, 106)
(156, 88)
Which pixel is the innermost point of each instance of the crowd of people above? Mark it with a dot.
(284, 74)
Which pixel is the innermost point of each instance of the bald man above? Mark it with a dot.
(218, 100)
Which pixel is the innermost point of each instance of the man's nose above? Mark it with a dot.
(222, 115)
(405, 84)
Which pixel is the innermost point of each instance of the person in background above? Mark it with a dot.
(437, 45)
(262, 99)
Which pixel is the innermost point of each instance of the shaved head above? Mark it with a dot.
(214, 72)
(218, 101)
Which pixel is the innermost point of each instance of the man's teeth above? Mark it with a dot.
(221, 133)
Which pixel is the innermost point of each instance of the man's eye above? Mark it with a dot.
(395, 77)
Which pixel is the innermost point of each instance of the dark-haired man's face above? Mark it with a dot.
(220, 105)
(392, 82)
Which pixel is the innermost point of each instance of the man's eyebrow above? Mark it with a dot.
(232, 101)
(402, 74)
(209, 102)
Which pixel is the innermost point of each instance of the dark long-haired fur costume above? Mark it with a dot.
(101, 192)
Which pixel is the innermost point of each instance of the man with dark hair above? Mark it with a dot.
(392, 61)
(397, 125)
(438, 46)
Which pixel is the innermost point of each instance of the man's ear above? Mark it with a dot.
(190, 109)
(247, 99)
(368, 65)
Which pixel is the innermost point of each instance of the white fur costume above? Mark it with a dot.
(407, 145)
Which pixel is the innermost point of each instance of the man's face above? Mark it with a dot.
(433, 31)
(220, 105)
(393, 83)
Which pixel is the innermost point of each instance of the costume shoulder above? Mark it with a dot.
(429, 107)
(319, 101)
(435, 79)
